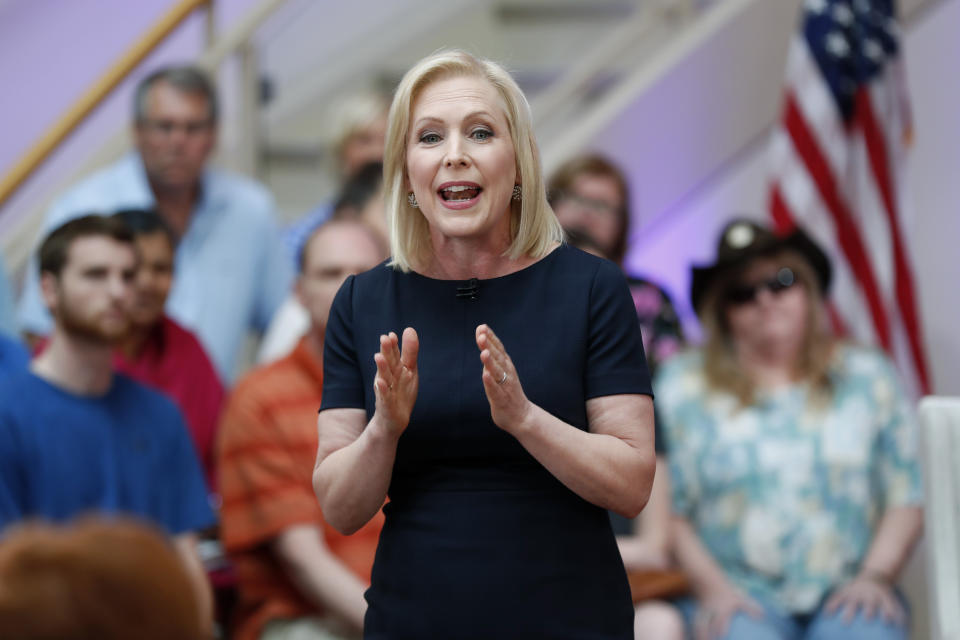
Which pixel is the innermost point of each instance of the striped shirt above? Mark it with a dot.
(266, 452)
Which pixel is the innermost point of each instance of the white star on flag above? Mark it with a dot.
(873, 50)
(842, 14)
(837, 44)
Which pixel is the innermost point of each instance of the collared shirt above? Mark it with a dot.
(8, 321)
(786, 493)
(231, 269)
(266, 451)
(297, 234)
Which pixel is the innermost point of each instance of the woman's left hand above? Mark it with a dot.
(869, 595)
(508, 404)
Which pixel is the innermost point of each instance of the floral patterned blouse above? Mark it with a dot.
(786, 493)
(659, 324)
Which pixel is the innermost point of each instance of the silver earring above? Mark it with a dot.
(412, 199)
(517, 192)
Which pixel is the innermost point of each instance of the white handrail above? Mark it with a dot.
(238, 36)
(603, 56)
(19, 243)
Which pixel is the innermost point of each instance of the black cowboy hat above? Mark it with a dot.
(742, 240)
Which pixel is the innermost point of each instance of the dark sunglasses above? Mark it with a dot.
(747, 293)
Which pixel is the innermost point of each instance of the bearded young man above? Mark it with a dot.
(75, 437)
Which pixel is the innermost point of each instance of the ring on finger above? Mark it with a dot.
(503, 378)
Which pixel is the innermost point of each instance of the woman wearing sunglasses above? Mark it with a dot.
(796, 488)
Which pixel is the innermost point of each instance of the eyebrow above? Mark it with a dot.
(469, 116)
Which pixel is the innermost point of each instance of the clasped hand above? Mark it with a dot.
(397, 381)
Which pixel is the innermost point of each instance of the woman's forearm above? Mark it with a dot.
(351, 482)
(895, 538)
(599, 467)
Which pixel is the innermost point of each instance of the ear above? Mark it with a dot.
(298, 290)
(138, 133)
(50, 290)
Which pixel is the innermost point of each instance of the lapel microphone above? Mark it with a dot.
(469, 290)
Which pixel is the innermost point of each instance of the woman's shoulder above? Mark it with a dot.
(865, 367)
(373, 281)
(568, 255)
(575, 265)
(855, 360)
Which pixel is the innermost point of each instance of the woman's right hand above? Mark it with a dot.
(397, 381)
(716, 610)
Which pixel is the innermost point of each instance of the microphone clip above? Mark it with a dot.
(469, 290)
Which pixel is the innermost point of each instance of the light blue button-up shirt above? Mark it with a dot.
(8, 323)
(232, 271)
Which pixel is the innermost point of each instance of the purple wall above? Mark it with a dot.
(51, 51)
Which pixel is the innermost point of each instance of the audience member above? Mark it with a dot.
(360, 199)
(589, 194)
(94, 580)
(74, 436)
(157, 351)
(232, 270)
(360, 121)
(794, 459)
(294, 570)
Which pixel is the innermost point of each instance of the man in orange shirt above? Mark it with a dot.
(295, 573)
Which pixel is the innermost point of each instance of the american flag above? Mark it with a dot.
(838, 171)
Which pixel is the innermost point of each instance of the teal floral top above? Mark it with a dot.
(786, 493)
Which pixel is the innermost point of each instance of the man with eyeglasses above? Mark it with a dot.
(232, 269)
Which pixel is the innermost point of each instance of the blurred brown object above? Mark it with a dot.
(94, 580)
(657, 584)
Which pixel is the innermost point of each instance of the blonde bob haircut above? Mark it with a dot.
(534, 227)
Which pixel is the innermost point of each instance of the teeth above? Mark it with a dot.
(458, 187)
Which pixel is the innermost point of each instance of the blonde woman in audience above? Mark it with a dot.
(360, 123)
(793, 457)
(514, 410)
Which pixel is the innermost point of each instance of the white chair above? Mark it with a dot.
(940, 437)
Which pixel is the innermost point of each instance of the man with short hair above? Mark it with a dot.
(295, 573)
(74, 436)
(233, 271)
(156, 350)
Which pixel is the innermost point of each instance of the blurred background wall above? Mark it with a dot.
(685, 108)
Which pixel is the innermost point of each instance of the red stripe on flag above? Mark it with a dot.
(848, 236)
(783, 220)
(906, 298)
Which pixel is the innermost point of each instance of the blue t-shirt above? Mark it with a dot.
(127, 452)
(14, 356)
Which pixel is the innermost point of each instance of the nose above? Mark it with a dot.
(119, 287)
(764, 296)
(456, 155)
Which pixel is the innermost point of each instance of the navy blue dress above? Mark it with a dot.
(480, 540)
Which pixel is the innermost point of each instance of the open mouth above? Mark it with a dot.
(460, 192)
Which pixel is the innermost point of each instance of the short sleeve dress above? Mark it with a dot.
(480, 540)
